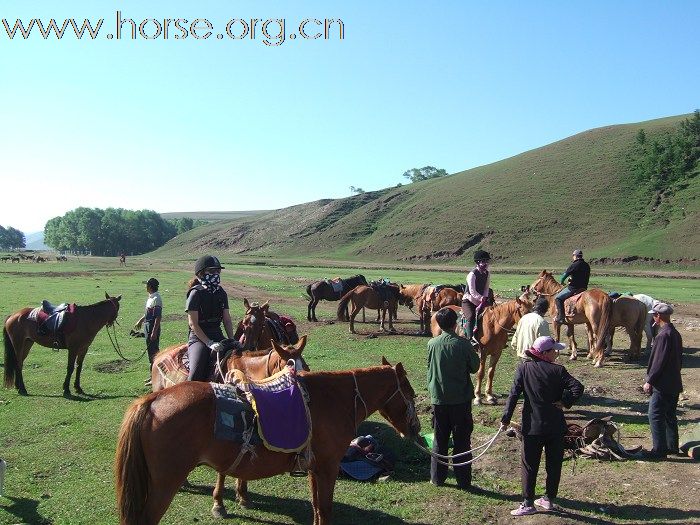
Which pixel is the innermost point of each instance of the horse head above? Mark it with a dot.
(544, 284)
(292, 353)
(114, 301)
(253, 323)
(400, 408)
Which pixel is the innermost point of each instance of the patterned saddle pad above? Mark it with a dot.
(570, 304)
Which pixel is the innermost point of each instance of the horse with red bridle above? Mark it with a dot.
(20, 333)
(166, 434)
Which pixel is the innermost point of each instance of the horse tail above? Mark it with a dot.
(308, 292)
(10, 358)
(130, 467)
(603, 324)
(342, 306)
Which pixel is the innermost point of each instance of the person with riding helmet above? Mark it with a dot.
(578, 272)
(477, 294)
(207, 308)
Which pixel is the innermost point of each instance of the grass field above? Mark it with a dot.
(60, 452)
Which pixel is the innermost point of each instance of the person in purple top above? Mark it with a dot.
(663, 383)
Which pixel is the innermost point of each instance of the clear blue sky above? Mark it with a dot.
(191, 125)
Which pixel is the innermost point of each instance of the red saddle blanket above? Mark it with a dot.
(571, 302)
(174, 366)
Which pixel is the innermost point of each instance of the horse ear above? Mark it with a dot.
(118, 297)
(265, 306)
(106, 295)
(400, 370)
(246, 304)
(385, 362)
(301, 343)
(281, 351)
(543, 273)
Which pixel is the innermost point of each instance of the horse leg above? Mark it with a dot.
(391, 324)
(493, 361)
(572, 341)
(323, 487)
(218, 510)
(161, 493)
(479, 378)
(608, 343)
(355, 311)
(242, 492)
(21, 353)
(69, 372)
(78, 369)
(313, 309)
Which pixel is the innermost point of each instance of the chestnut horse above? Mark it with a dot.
(413, 295)
(166, 434)
(20, 333)
(324, 290)
(496, 324)
(367, 297)
(594, 309)
(631, 314)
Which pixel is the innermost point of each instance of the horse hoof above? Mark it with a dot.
(218, 511)
(22, 392)
(67, 394)
(245, 503)
(573, 357)
(491, 400)
(80, 391)
(477, 400)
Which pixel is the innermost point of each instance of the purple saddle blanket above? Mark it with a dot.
(283, 418)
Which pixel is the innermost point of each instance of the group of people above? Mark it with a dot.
(547, 386)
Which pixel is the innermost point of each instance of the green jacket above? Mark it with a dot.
(450, 361)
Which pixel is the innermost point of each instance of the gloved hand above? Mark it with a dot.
(216, 347)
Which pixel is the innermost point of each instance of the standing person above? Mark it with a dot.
(450, 361)
(580, 273)
(152, 318)
(476, 294)
(207, 308)
(664, 383)
(530, 327)
(548, 387)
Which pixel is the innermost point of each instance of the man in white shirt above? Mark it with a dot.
(530, 327)
(151, 320)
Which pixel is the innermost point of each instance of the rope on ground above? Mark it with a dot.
(449, 460)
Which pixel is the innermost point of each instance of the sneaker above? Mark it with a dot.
(545, 503)
(523, 510)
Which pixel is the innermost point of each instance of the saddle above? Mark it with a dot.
(383, 289)
(175, 366)
(336, 284)
(54, 320)
(365, 458)
(571, 302)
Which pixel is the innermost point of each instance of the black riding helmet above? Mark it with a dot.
(481, 255)
(206, 261)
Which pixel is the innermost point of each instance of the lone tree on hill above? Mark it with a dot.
(425, 173)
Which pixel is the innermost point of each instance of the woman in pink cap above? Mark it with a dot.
(548, 387)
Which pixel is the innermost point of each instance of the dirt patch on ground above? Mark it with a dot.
(112, 367)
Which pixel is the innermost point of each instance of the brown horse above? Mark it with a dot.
(166, 434)
(496, 324)
(366, 297)
(594, 309)
(631, 314)
(20, 333)
(413, 295)
(324, 290)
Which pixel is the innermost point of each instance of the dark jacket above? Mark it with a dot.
(665, 361)
(544, 384)
(580, 273)
(211, 308)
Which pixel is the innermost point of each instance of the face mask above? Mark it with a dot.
(483, 266)
(211, 281)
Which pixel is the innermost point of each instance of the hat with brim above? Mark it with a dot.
(360, 470)
(543, 345)
(661, 308)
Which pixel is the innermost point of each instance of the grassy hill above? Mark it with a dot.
(210, 215)
(530, 208)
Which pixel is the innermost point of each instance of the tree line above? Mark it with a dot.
(113, 231)
(11, 238)
(662, 164)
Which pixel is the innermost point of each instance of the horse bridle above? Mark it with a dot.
(411, 415)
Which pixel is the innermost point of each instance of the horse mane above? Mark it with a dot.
(411, 290)
(344, 373)
(256, 353)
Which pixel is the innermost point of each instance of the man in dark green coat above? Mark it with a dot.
(450, 361)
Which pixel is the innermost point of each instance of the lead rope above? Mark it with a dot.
(439, 457)
(358, 395)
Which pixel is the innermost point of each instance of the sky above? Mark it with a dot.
(209, 124)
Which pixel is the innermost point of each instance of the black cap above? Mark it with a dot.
(481, 255)
(207, 261)
(152, 282)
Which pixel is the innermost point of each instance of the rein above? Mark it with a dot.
(115, 341)
(449, 460)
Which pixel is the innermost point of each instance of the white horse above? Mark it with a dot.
(649, 302)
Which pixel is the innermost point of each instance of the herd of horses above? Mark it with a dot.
(167, 433)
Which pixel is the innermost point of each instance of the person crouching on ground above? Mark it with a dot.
(450, 361)
(548, 387)
(207, 308)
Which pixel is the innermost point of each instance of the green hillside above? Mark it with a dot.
(577, 192)
(210, 215)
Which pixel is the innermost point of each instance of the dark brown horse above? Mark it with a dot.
(20, 333)
(166, 434)
(594, 309)
(367, 297)
(631, 314)
(496, 324)
(324, 290)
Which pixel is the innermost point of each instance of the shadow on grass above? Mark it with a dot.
(25, 510)
(80, 397)
(572, 509)
(296, 510)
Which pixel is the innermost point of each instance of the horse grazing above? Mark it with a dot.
(367, 297)
(593, 308)
(20, 333)
(166, 434)
(631, 314)
(325, 290)
(496, 324)
(414, 295)
(649, 303)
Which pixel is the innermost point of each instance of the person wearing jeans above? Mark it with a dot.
(664, 383)
(579, 273)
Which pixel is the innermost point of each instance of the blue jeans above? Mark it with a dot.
(663, 422)
(562, 296)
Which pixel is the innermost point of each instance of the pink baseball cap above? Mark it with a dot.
(545, 344)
